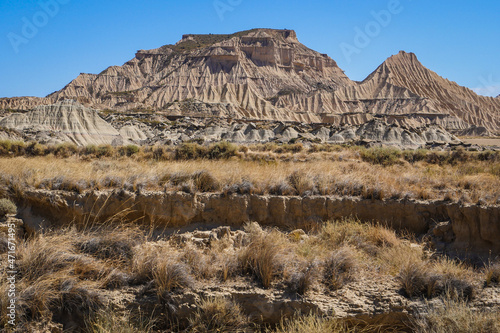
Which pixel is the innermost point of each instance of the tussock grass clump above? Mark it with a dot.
(351, 231)
(218, 315)
(170, 275)
(457, 317)
(7, 207)
(492, 273)
(162, 265)
(301, 183)
(310, 323)
(260, 256)
(113, 244)
(424, 279)
(107, 320)
(340, 268)
(205, 182)
(304, 278)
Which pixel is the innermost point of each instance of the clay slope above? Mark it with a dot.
(268, 74)
(240, 75)
(66, 121)
(424, 93)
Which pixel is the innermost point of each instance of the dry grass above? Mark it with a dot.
(71, 272)
(309, 324)
(340, 268)
(218, 315)
(260, 257)
(343, 172)
(457, 317)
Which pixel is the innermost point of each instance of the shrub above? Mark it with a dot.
(65, 150)
(222, 150)
(128, 150)
(218, 315)
(382, 156)
(413, 156)
(36, 149)
(104, 151)
(189, 151)
(7, 207)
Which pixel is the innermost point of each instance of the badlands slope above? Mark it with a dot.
(268, 74)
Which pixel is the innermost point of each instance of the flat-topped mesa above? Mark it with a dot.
(268, 74)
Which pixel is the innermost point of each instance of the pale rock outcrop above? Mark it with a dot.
(65, 121)
(268, 74)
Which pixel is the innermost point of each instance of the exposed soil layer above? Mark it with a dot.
(467, 229)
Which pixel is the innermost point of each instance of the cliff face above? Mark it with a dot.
(269, 74)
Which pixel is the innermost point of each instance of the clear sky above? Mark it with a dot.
(44, 44)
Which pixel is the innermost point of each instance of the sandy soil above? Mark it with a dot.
(483, 141)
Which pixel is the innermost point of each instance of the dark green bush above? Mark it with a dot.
(381, 155)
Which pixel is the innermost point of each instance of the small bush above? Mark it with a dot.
(36, 149)
(7, 207)
(222, 150)
(128, 150)
(189, 151)
(104, 151)
(382, 156)
(218, 315)
(65, 150)
(413, 156)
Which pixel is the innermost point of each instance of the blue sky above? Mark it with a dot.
(460, 40)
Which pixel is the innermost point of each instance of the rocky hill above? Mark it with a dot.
(65, 121)
(268, 74)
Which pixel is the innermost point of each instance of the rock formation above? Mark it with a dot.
(65, 121)
(269, 74)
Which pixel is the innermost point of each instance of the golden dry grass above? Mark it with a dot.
(338, 173)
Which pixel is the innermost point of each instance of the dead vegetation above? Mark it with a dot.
(376, 173)
(66, 276)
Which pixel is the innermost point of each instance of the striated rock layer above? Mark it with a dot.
(66, 121)
(269, 74)
(475, 229)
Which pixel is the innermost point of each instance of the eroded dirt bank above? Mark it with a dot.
(469, 228)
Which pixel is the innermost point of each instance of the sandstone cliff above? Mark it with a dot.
(269, 74)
